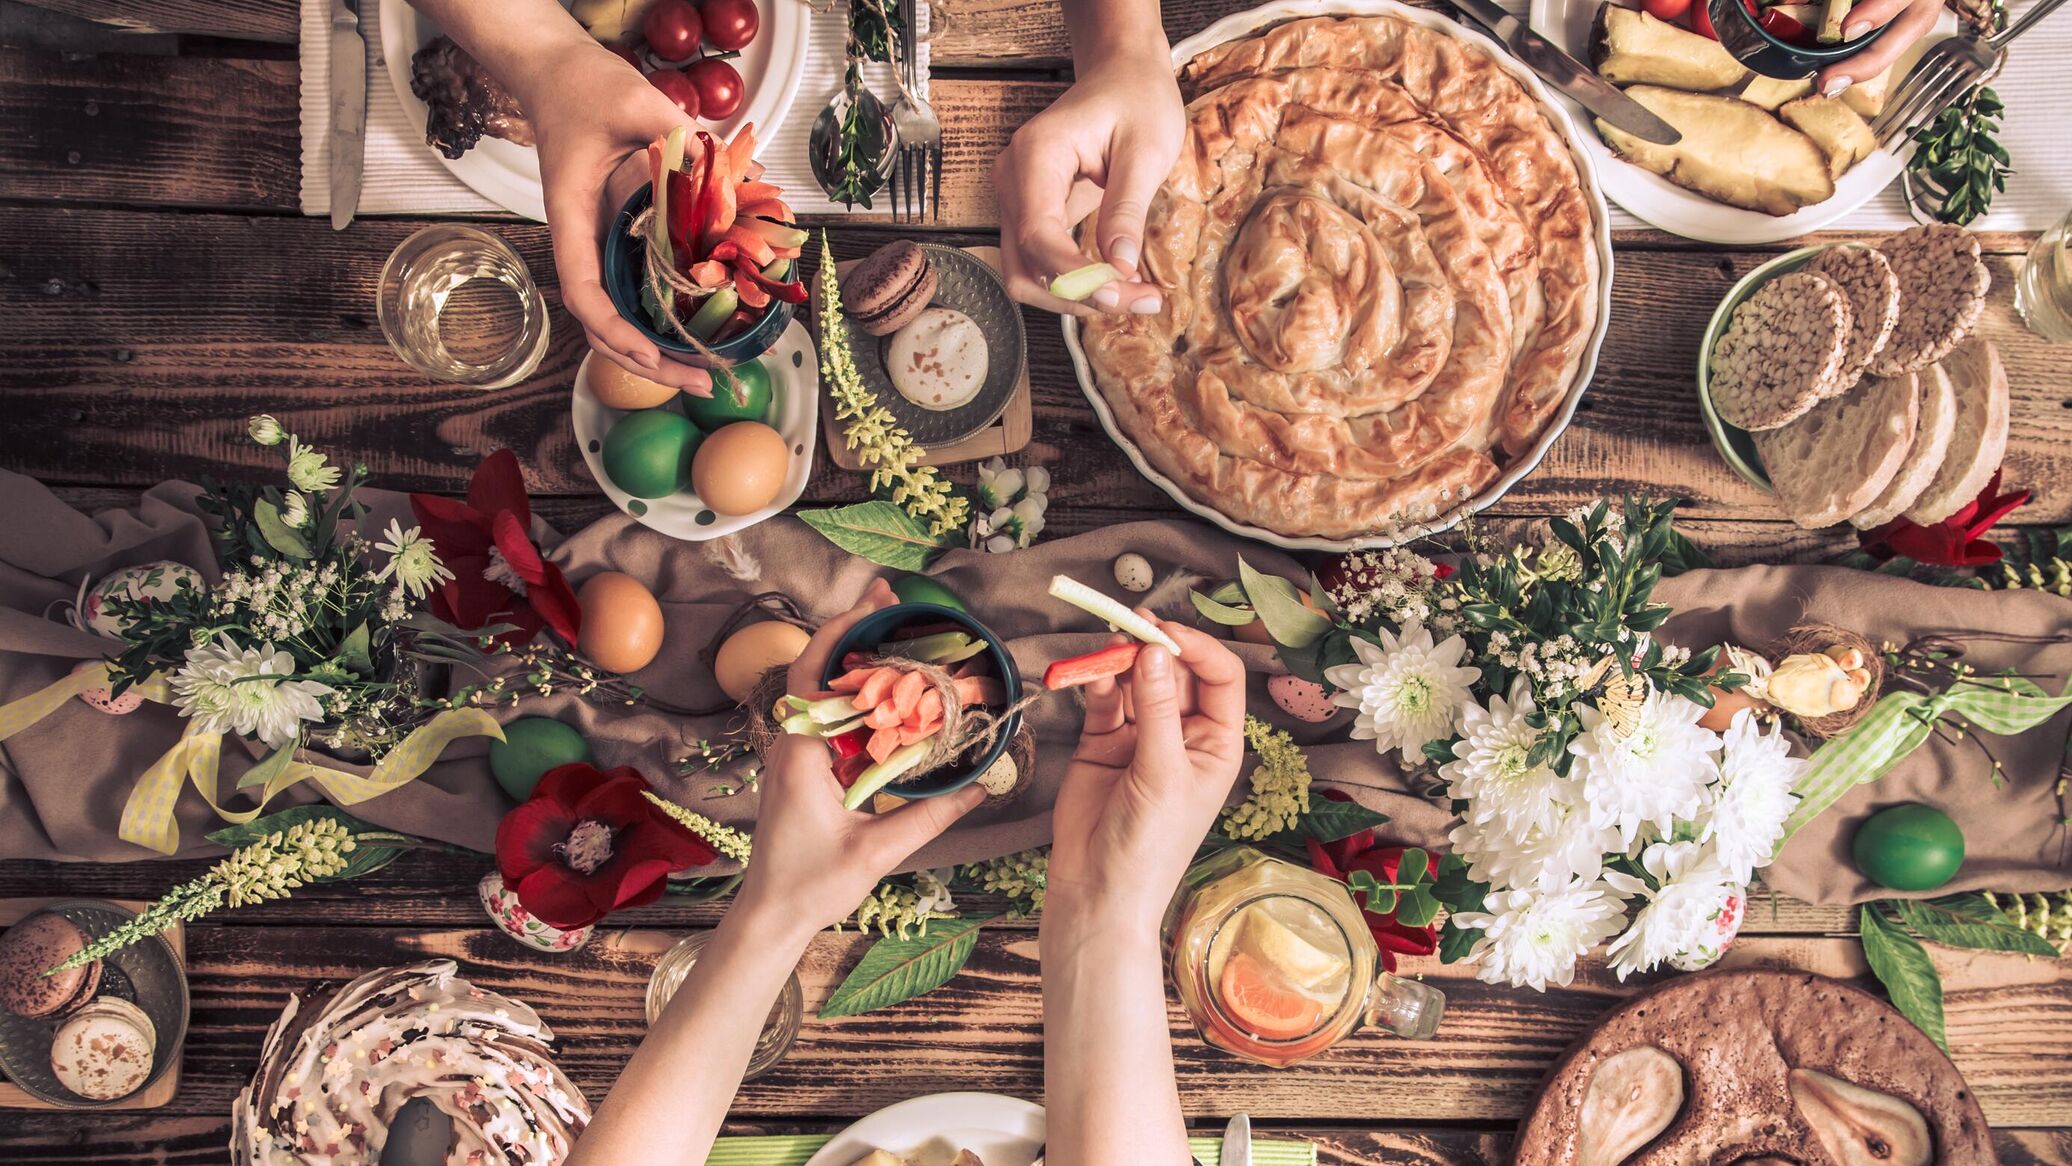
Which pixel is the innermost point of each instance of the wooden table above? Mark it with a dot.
(157, 285)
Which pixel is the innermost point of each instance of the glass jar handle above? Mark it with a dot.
(1408, 1008)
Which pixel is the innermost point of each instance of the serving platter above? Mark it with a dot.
(1661, 203)
(509, 175)
(1255, 20)
(1002, 1131)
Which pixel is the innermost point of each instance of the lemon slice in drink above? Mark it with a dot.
(1298, 941)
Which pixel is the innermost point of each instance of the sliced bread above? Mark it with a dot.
(1931, 444)
(1840, 456)
(1979, 440)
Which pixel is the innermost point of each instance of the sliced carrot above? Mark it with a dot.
(852, 680)
(906, 694)
(876, 688)
(930, 706)
(753, 245)
(979, 690)
(768, 208)
(882, 744)
(710, 273)
(741, 151)
(883, 717)
(754, 192)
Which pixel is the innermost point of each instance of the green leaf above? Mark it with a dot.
(1418, 908)
(1455, 942)
(269, 768)
(1223, 613)
(1279, 605)
(1902, 965)
(277, 533)
(1414, 866)
(879, 531)
(356, 652)
(1454, 888)
(894, 969)
(1967, 920)
(1329, 819)
(1439, 751)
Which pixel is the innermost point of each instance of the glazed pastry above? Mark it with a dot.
(105, 1052)
(1382, 277)
(938, 360)
(888, 288)
(30, 948)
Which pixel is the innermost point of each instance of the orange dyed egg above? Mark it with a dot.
(622, 623)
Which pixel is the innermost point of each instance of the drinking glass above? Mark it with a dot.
(2043, 288)
(457, 303)
(1274, 962)
(779, 1031)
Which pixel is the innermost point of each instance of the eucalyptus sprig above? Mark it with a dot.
(1959, 155)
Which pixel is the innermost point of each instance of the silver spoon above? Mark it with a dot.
(875, 142)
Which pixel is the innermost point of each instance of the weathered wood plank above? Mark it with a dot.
(268, 21)
(982, 1030)
(121, 371)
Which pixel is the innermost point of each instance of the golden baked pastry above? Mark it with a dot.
(1381, 277)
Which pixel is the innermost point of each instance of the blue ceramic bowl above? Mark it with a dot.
(882, 625)
(1743, 35)
(625, 267)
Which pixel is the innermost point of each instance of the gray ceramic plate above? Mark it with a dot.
(969, 286)
(146, 974)
(1735, 446)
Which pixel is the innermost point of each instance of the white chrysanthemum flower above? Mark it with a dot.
(295, 508)
(1532, 937)
(1650, 776)
(1753, 798)
(265, 429)
(412, 560)
(1408, 690)
(307, 468)
(1690, 888)
(1568, 849)
(243, 690)
(1490, 772)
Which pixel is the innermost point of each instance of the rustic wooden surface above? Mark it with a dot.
(157, 285)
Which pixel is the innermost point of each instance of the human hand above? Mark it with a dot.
(1159, 751)
(815, 861)
(1910, 21)
(594, 115)
(1107, 142)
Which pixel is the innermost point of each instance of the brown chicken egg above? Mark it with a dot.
(615, 388)
(747, 654)
(622, 623)
(741, 467)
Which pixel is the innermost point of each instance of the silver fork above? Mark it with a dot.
(1948, 70)
(920, 132)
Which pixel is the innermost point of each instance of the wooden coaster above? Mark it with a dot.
(13, 1096)
(1010, 434)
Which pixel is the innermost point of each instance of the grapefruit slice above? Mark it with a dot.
(1255, 998)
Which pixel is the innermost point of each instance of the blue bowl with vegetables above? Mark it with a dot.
(1770, 38)
(728, 239)
(935, 634)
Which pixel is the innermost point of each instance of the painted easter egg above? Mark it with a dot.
(102, 697)
(1305, 700)
(1908, 847)
(1133, 572)
(160, 580)
(532, 746)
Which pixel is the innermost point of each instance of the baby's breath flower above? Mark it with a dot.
(1280, 786)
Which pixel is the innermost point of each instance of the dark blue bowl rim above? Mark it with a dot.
(619, 253)
(955, 778)
(1825, 54)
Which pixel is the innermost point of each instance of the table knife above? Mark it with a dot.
(1237, 1142)
(1569, 75)
(348, 110)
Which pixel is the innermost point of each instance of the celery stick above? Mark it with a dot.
(884, 773)
(672, 160)
(1094, 603)
(1078, 284)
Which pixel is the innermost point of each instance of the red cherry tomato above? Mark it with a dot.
(677, 88)
(731, 24)
(1701, 20)
(673, 29)
(1665, 9)
(719, 87)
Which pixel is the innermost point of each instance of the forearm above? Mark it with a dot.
(1107, 1050)
(518, 41)
(667, 1107)
(1105, 30)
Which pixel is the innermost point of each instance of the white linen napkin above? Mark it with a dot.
(402, 175)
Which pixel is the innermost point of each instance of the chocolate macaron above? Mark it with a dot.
(106, 1051)
(888, 288)
(30, 948)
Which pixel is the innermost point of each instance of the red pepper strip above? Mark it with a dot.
(1077, 670)
(700, 206)
(849, 744)
(680, 217)
(1778, 24)
(848, 769)
(791, 293)
(752, 295)
(725, 251)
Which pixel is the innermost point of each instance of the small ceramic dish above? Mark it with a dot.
(884, 625)
(1742, 34)
(794, 412)
(147, 974)
(1734, 444)
(967, 284)
(625, 266)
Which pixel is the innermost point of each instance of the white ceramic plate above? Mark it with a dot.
(509, 175)
(1662, 203)
(794, 412)
(1244, 24)
(1002, 1131)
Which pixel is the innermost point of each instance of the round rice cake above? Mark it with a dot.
(1942, 292)
(1867, 278)
(1782, 352)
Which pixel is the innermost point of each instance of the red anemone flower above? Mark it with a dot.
(587, 843)
(499, 576)
(1360, 852)
(1956, 541)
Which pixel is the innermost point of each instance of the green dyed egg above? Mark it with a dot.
(648, 454)
(922, 589)
(1908, 847)
(721, 408)
(532, 746)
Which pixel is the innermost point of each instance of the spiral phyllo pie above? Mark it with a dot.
(1381, 278)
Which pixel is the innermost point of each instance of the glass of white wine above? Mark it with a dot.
(2043, 288)
(457, 303)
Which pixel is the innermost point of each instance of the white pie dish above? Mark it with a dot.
(1002, 1131)
(1247, 23)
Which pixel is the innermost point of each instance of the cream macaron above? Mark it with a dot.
(938, 360)
(105, 1051)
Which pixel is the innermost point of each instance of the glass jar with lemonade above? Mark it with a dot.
(1274, 963)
